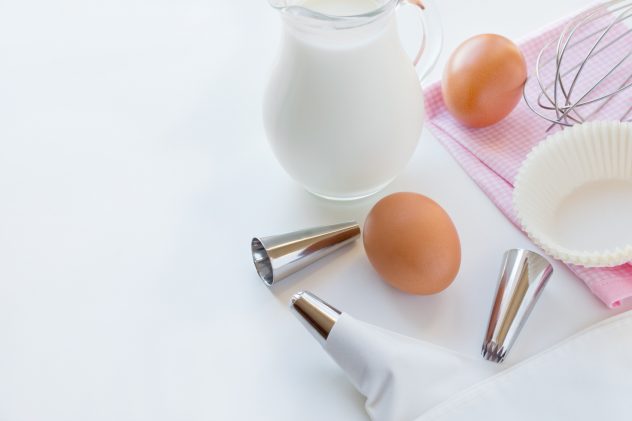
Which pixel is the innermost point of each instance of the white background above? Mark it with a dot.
(134, 171)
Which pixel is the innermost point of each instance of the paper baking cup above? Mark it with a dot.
(573, 194)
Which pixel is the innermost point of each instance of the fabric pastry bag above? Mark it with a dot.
(586, 377)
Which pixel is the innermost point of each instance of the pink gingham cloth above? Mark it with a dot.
(493, 155)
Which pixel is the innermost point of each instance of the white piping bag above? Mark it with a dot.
(586, 377)
(401, 377)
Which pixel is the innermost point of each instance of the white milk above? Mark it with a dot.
(344, 108)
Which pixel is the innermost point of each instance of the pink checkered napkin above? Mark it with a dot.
(492, 155)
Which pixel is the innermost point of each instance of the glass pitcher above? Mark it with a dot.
(343, 109)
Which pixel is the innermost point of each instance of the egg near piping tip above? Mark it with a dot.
(412, 243)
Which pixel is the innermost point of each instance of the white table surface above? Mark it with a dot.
(133, 172)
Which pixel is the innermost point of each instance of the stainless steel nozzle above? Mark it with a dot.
(523, 276)
(315, 314)
(279, 256)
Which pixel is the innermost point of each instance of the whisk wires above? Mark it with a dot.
(570, 89)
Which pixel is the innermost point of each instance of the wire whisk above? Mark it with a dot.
(586, 73)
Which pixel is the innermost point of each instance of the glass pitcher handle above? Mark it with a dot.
(432, 33)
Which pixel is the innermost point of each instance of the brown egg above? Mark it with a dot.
(482, 80)
(412, 243)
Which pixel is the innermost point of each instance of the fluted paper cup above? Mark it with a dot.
(573, 194)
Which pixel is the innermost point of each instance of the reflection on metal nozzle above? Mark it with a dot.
(278, 256)
(315, 314)
(523, 276)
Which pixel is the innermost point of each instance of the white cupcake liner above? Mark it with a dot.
(573, 194)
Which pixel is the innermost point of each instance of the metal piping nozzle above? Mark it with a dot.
(315, 314)
(279, 256)
(523, 276)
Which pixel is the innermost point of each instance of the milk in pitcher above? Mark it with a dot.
(344, 109)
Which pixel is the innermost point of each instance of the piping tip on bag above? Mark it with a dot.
(523, 276)
(317, 316)
(278, 256)
(401, 377)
